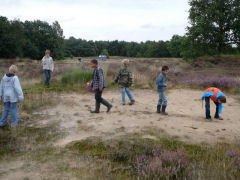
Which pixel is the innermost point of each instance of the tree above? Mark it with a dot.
(175, 46)
(11, 38)
(105, 52)
(211, 25)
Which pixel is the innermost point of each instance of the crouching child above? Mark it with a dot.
(218, 98)
(10, 93)
(124, 79)
(98, 85)
(161, 88)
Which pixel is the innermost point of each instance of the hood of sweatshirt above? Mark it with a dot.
(8, 77)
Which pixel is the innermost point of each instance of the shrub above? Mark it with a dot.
(161, 164)
(76, 77)
(219, 82)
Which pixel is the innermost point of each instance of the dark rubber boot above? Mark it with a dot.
(159, 108)
(164, 110)
(97, 108)
(107, 104)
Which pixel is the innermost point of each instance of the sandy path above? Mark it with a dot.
(185, 121)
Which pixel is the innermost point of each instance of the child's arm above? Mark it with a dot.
(18, 88)
(207, 94)
(117, 77)
(101, 78)
(43, 60)
(52, 65)
(130, 79)
(220, 107)
(159, 80)
(1, 90)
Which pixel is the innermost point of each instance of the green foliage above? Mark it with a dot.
(79, 47)
(30, 39)
(214, 26)
(105, 52)
(76, 78)
(175, 46)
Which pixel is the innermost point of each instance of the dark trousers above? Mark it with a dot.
(47, 77)
(100, 100)
(98, 96)
(207, 106)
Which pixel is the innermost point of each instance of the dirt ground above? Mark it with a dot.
(185, 121)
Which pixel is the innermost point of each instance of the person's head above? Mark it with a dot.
(47, 53)
(13, 69)
(125, 62)
(165, 69)
(222, 99)
(94, 63)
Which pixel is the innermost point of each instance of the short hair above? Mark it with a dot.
(165, 68)
(222, 99)
(13, 69)
(47, 51)
(125, 62)
(94, 61)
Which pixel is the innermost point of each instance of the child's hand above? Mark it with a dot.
(100, 89)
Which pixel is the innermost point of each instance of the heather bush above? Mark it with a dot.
(219, 82)
(161, 164)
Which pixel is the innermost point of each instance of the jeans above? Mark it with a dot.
(162, 99)
(129, 94)
(47, 76)
(14, 121)
(207, 106)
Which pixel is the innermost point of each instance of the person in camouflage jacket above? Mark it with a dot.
(124, 79)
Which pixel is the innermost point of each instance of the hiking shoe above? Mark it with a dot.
(132, 102)
(164, 113)
(94, 111)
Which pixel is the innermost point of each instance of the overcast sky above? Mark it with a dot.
(129, 20)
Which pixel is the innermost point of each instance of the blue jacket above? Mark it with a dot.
(161, 82)
(209, 94)
(10, 89)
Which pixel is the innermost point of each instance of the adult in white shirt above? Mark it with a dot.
(48, 66)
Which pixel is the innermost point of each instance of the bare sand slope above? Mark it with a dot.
(185, 121)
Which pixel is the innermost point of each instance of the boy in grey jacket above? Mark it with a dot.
(48, 67)
(161, 88)
(10, 93)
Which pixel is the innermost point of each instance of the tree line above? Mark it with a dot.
(214, 29)
(30, 39)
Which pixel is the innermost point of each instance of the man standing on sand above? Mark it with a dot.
(48, 67)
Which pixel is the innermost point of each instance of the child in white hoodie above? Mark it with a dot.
(10, 94)
(48, 67)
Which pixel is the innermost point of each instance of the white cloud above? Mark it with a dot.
(130, 20)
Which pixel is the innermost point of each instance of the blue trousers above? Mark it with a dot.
(162, 101)
(47, 77)
(129, 94)
(6, 109)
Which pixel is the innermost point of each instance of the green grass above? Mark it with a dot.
(76, 78)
